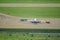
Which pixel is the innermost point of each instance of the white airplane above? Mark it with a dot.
(36, 21)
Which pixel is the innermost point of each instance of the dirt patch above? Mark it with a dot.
(7, 21)
(28, 5)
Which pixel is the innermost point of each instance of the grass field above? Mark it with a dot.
(29, 1)
(51, 12)
(29, 34)
(39, 12)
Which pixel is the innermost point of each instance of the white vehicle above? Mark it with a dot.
(35, 21)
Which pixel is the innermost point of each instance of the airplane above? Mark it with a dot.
(35, 21)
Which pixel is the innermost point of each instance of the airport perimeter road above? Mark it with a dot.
(7, 21)
(28, 5)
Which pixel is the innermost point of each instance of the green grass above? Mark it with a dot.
(29, 1)
(50, 12)
(28, 36)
